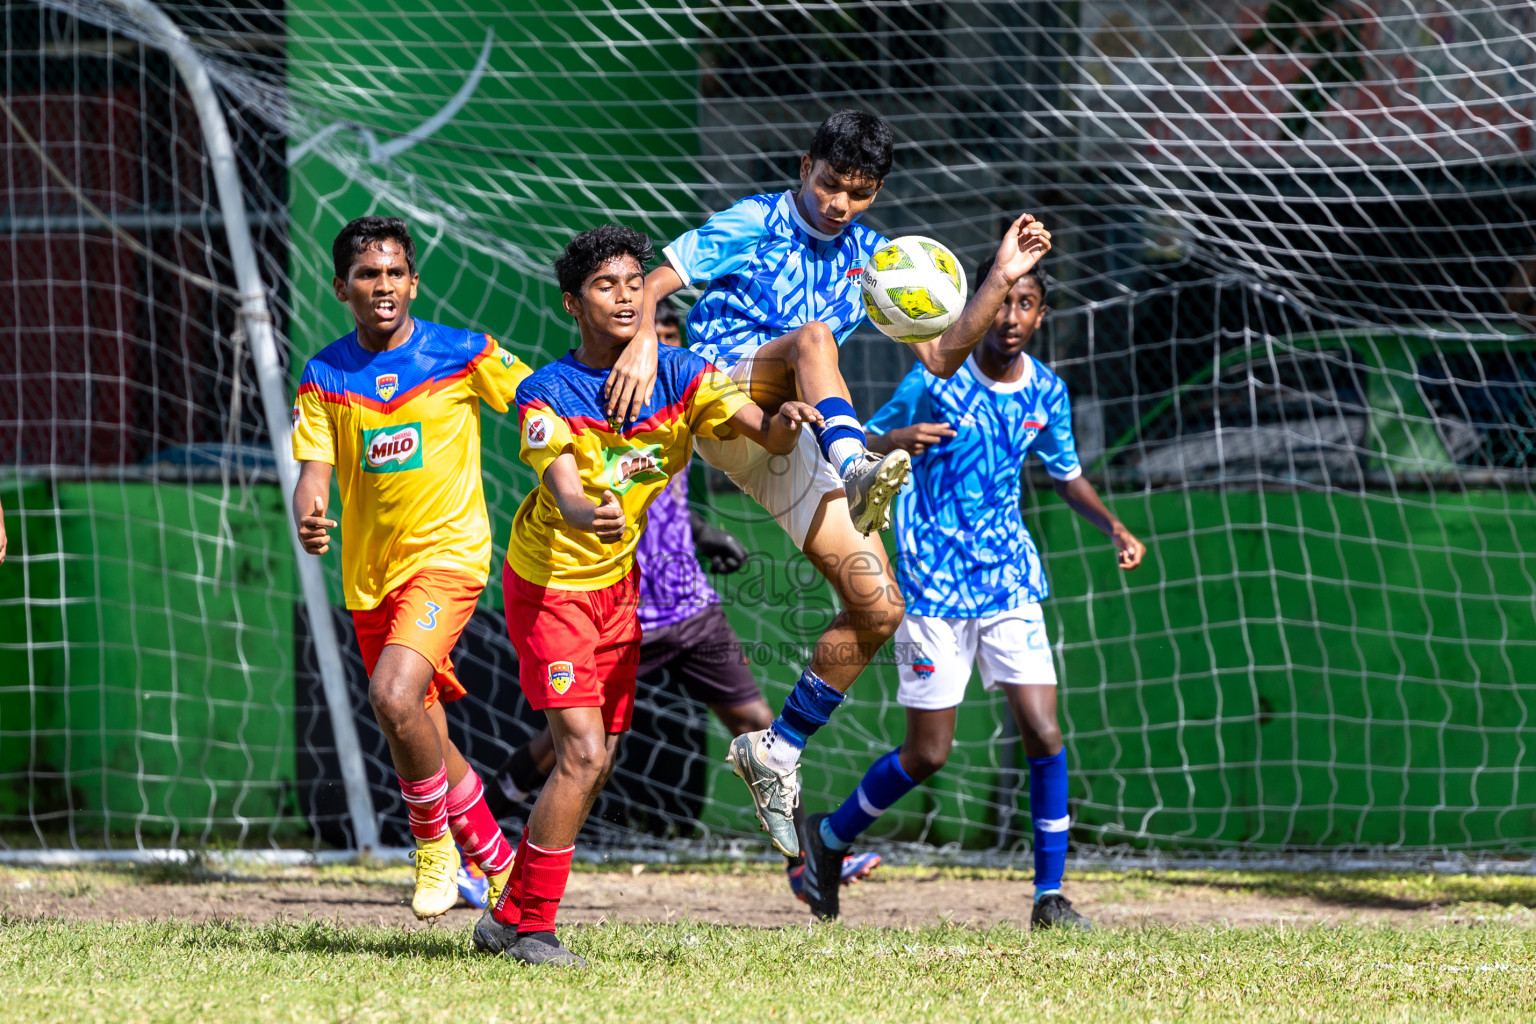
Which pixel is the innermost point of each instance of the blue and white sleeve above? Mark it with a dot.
(902, 409)
(1055, 444)
(721, 245)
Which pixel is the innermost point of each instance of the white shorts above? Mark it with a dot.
(789, 487)
(934, 655)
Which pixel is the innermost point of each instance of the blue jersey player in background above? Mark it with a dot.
(780, 277)
(973, 583)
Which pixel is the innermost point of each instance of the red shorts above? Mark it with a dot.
(576, 648)
(425, 613)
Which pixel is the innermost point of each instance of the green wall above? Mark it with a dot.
(146, 663)
(1288, 668)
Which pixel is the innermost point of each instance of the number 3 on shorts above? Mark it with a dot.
(431, 620)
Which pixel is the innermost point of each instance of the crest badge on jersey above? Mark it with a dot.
(538, 431)
(855, 271)
(562, 675)
(386, 384)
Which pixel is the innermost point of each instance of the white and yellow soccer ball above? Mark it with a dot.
(913, 288)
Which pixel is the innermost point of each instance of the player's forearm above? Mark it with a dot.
(754, 424)
(947, 353)
(659, 284)
(1081, 498)
(564, 482)
(314, 482)
(880, 444)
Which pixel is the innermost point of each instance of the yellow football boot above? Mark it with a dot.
(437, 869)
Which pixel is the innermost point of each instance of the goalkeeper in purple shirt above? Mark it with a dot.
(683, 631)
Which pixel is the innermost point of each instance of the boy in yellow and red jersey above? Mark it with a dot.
(570, 581)
(393, 409)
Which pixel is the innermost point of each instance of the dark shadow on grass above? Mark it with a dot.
(330, 938)
(334, 938)
(1384, 890)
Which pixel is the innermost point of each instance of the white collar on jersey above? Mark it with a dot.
(805, 225)
(1002, 387)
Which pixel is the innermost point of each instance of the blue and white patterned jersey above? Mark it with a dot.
(766, 271)
(964, 551)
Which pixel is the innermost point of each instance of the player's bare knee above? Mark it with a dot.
(1041, 736)
(924, 758)
(583, 758)
(815, 342)
(395, 704)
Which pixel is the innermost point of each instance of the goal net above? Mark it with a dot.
(1293, 296)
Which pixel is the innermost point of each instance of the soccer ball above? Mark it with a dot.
(913, 288)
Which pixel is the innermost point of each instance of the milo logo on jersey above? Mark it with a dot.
(392, 449)
(625, 467)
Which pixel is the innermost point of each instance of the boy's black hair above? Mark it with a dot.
(365, 233)
(1037, 272)
(591, 249)
(666, 313)
(854, 142)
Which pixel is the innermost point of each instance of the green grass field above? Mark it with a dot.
(1473, 963)
(1482, 969)
(230, 972)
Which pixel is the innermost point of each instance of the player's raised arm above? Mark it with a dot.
(310, 497)
(633, 377)
(1023, 245)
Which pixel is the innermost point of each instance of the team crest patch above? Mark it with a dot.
(561, 676)
(857, 270)
(923, 666)
(538, 431)
(298, 418)
(386, 384)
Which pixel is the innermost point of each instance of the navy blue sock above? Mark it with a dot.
(885, 783)
(807, 708)
(1048, 808)
(841, 437)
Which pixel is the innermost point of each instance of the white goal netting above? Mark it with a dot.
(1294, 297)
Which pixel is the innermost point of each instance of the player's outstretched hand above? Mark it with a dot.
(2, 536)
(631, 380)
(314, 530)
(1128, 550)
(1024, 244)
(919, 437)
(608, 519)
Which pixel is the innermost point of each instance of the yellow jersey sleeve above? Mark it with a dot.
(716, 400)
(314, 436)
(495, 374)
(544, 436)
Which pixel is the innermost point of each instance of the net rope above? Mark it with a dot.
(1294, 296)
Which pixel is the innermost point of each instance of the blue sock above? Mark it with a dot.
(1048, 808)
(841, 437)
(885, 783)
(807, 708)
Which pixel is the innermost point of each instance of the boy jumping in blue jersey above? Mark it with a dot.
(780, 275)
(973, 582)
